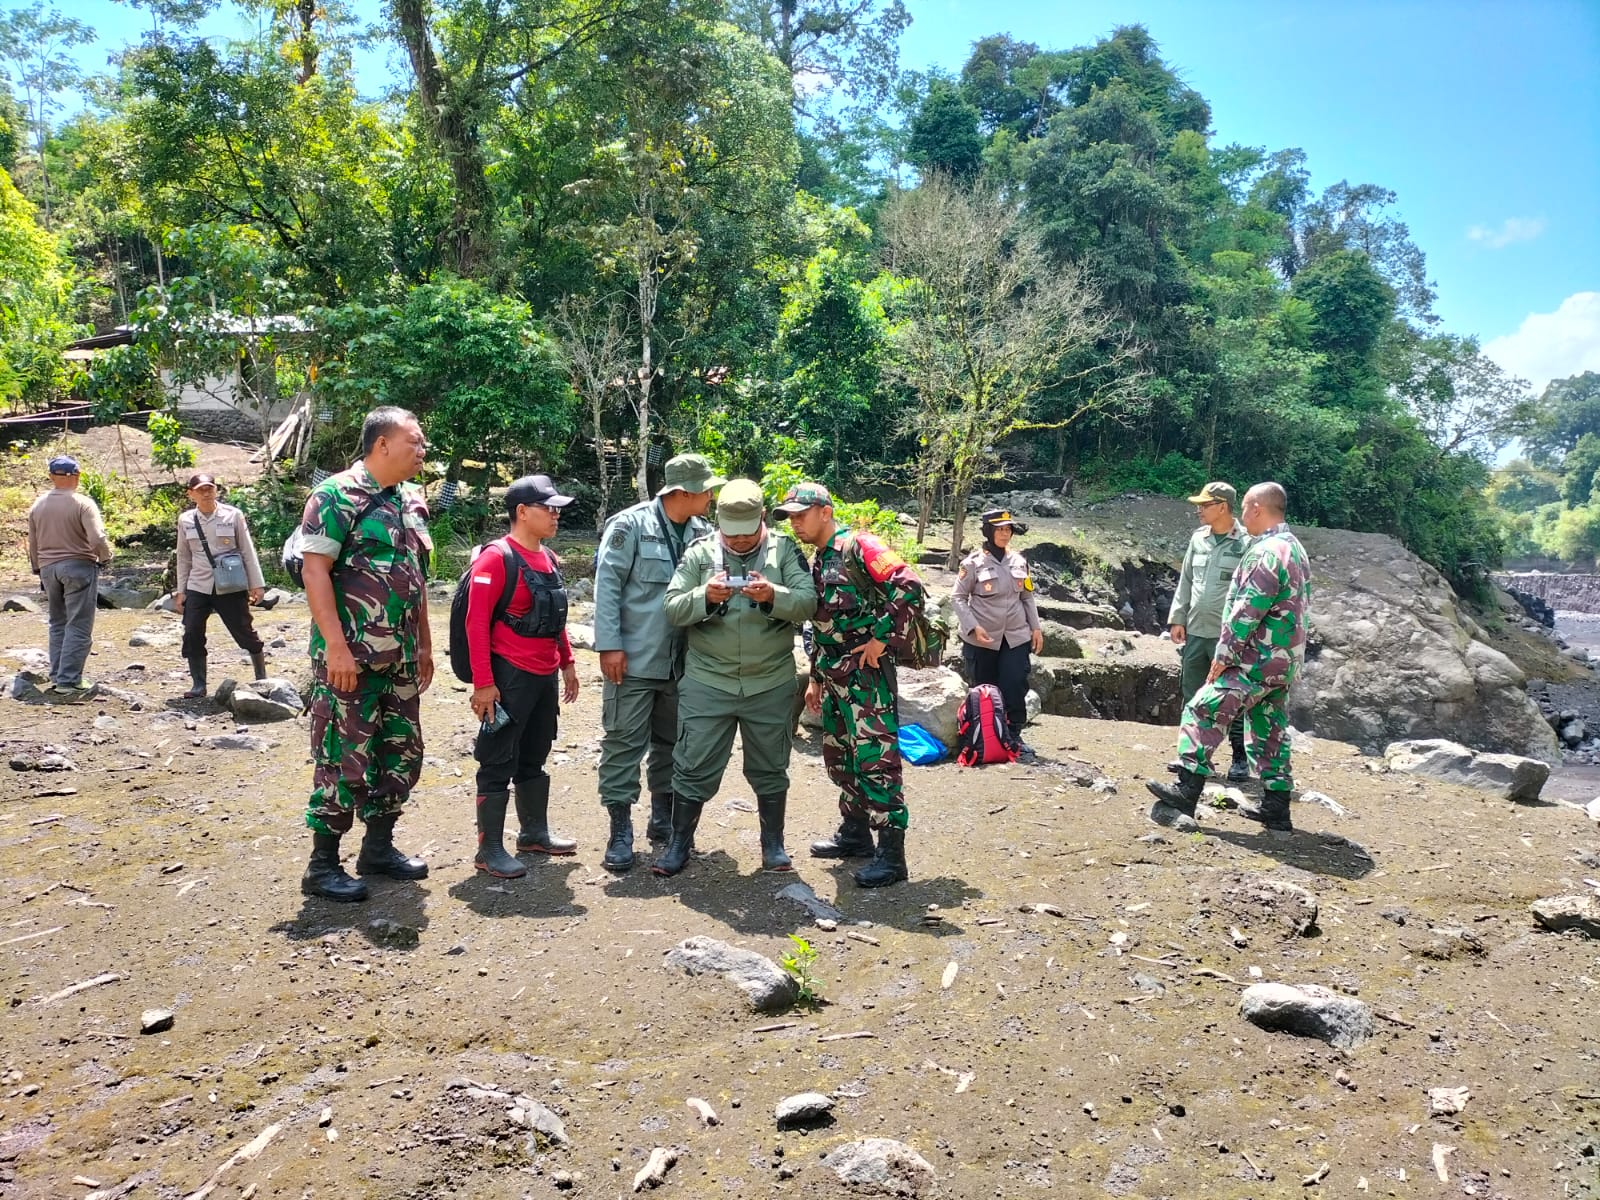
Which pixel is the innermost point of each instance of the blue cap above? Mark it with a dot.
(63, 464)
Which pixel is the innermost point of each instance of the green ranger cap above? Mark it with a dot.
(1225, 492)
(690, 473)
(739, 507)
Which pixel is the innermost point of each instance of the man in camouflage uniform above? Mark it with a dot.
(1258, 656)
(1195, 617)
(366, 544)
(867, 598)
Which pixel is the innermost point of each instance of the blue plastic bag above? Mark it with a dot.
(919, 747)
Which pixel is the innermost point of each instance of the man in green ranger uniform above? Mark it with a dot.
(1258, 657)
(867, 598)
(741, 593)
(1195, 617)
(366, 544)
(641, 655)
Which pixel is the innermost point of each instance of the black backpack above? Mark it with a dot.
(543, 613)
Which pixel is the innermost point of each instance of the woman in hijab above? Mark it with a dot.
(999, 617)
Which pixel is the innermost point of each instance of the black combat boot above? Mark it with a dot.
(379, 857)
(325, 877)
(491, 857)
(852, 840)
(685, 817)
(197, 676)
(1273, 812)
(619, 850)
(770, 811)
(533, 812)
(659, 827)
(1239, 769)
(258, 662)
(888, 865)
(1175, 803)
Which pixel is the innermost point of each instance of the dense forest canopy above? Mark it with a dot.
(575, 230)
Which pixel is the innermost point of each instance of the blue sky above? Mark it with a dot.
(1483, 117)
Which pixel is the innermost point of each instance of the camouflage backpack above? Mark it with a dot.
(929, 632)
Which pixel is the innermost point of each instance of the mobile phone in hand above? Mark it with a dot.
(496, 720)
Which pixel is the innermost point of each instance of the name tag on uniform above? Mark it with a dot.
(985, 575)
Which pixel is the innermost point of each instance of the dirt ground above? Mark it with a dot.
(1098, 1052)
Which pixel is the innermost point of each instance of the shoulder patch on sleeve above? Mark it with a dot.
(619, 539)
(881, 562)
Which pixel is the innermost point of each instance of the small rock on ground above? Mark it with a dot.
(882, 1166)
(806, 1106)
(1308, 1010)
(155, 1020)
(766, 985)
(1561, 913)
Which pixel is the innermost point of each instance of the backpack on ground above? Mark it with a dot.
(929, 630)
(984, 736)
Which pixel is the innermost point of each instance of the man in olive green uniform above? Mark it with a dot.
(742, 594)
(641, 654)
(365, 539)
(867, 602)
(1195, 617)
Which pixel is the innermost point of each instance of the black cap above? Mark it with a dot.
(994, 518)
(534, 489)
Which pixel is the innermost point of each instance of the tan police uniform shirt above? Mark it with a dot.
(997, 595)
(226, 532)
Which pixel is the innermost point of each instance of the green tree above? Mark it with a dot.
(1578, 470)
(1568, 409)
(36, 45)
(36, 318)
(944, 134)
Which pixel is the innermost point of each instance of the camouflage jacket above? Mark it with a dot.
(380, 567)
(864, 590)
(1264, 617)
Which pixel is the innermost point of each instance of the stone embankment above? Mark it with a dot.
(1558, 592)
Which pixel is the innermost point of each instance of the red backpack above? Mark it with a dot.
(984, 735)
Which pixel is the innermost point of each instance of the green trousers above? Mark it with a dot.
(1196, 654)
(707, 720)
(636, 715)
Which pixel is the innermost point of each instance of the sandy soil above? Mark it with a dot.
(1104, 1047)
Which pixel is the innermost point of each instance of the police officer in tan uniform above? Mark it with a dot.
(999, 617)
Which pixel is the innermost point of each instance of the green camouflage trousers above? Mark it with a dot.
(1216, 705)
(366, 745)
(861, 741)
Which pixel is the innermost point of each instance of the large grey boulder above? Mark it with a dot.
(20, 604)
(766, 986)
(1060, 641)
(881, 1166)
(126, 595)
(1394, 656)
(933, 700)
(1308, 1010)
(1509, 776)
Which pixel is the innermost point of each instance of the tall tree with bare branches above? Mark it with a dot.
(992, 325)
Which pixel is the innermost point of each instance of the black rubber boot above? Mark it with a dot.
(770, 812)
(619, 850)
(888, 865)
(1175, 803)
(685, 817)
(1025, 752)
(197, 677)
(1239, 769)
(491, 857)
(258, 662)
(325, 877)
(379, 857)
(659, 827)
(853, 839)
(1273, 811)
(533, 812)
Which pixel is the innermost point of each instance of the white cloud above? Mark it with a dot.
(1511, 231)
(1552, 345)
